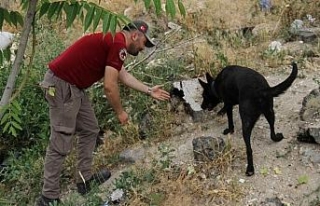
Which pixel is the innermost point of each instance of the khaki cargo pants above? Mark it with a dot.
(70, 113)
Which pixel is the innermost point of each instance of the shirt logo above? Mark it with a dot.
(123, 54)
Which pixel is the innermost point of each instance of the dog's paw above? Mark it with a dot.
(250, 171)
(227, 131)
(278, 137)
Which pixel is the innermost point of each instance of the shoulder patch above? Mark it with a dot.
(123, 54)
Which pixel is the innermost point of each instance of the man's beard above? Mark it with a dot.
(132, 51)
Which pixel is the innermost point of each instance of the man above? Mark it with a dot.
(88, 60)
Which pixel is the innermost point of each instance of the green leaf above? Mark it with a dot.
(6, 16)
(5, 118)
(19, 18)
(147, 3)
(264, 171)
(14, 110)
(96, 19)
(25, 4)
(52, 9)
(16, 105)
(17, 118)
(71, 12)
(59, 8)
(88, 18)
(106, 22)
(16, 125)
(113, 24)
(13, 131)
(1, 17)
(303, 179)
(170, 8)
(44, 8)
(7, 53)
(5, 129)
(181, 8)
(1, 57)
(52, 91)
(157, 5)
(13, 18)
(121, 18)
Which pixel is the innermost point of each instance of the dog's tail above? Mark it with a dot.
(283, 86)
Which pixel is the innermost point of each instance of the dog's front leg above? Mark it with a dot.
(230, 128)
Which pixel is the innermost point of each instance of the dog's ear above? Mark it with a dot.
(202, 83)
(209, 78)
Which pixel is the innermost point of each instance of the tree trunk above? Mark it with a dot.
(20, 53)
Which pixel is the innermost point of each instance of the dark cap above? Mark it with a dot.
(142, 27)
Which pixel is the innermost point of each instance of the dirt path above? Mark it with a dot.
(282, 170)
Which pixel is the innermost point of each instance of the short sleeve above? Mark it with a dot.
(116, 55)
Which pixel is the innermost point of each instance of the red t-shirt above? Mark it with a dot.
(84, 62)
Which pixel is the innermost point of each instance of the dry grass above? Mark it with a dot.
(202, 184)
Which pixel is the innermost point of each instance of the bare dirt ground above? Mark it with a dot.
(279, 166)
(283, 173)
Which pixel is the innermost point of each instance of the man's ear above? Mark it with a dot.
(134, 35)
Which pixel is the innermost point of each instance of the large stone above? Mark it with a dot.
(192, 96)
(310, 110)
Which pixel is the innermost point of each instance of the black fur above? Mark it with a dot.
(246, 87)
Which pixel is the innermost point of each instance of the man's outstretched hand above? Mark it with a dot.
(159, 94)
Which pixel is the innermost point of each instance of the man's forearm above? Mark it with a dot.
(114, 100)
(130, 81)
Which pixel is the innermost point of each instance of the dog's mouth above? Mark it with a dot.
(207, 108)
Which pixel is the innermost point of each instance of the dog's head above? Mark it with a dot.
(209, 95)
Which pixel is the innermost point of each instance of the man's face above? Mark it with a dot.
(137, 44)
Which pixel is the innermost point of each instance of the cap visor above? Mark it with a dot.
(149, 42)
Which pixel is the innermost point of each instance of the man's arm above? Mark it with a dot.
(111, 90)
(130, 81)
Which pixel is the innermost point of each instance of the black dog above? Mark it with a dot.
(246, 87)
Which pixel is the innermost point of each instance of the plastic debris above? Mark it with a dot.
(310, 18)
(296, 25)
(6, 39)
(265, 5)
(117, 195)
(275, 46)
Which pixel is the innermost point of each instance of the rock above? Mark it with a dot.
(273, 202)
(132, 155)
(314, 131)
(309, 133)
(263, 29)
(298, 48)
(207, 148)
(145, 125)
(310, 110)
(192, 91)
